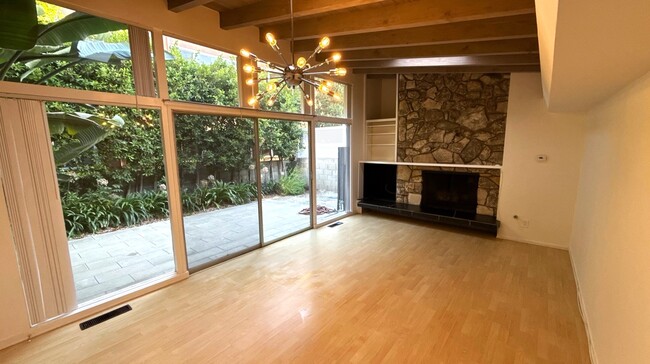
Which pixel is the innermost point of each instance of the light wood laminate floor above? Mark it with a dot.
(375, 289)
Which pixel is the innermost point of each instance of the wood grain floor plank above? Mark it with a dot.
(375, 289)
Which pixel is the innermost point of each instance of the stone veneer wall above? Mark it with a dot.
(455, 118)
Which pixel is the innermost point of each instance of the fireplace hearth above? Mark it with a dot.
(447, 197)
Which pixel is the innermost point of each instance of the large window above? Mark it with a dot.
(332, 170)
(287, 99)
(284, 157)
(200, 74)
(218, 186)
(239, 178)
(111, 175)
(75, 50)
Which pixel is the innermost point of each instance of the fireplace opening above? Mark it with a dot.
(379, 182)
(451, 193)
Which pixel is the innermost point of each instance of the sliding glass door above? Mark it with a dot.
(332, 168)
(285, 176)
(111, 177)
(218, 186)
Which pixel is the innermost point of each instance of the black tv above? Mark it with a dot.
(379, 182)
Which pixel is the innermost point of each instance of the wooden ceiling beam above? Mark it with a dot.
(270, 11)
(182, 5)
(450, 69)
(398, 15)
(458, 61)
(518, 26)
(491, 47)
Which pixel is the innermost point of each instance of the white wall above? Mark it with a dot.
(610, 246)
(357, 149)
(541, 193)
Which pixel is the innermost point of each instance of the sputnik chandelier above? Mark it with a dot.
(298, 73)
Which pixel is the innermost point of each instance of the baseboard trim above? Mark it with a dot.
(13, 340)
(583, 312)
(534, 242)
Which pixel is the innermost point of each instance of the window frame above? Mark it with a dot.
(167, 108)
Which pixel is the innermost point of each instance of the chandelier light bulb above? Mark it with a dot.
(324, 43)
(338, 72)
(270, 38)
(323, 88)
(293, 73)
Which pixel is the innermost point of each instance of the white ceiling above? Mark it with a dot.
(599, 47)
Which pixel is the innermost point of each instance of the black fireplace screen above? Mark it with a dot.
(449, 190)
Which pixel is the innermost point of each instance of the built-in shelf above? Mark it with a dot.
(386, 120)
(381, 117)
(446, 165)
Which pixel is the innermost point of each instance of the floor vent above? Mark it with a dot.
(335, 224)
(105, 317)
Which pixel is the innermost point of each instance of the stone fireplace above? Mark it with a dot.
(455, 119)
(409, 186)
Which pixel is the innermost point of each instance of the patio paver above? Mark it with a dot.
(104, 263)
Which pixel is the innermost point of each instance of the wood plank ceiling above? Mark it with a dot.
(392, 36)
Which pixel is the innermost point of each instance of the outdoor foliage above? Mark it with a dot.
(121, 147)
(104, 208)
(327, 106)
(219, 194)
(293, 183)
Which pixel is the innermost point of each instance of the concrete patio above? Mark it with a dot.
(104, 263)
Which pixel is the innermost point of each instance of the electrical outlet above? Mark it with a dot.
(524, 223)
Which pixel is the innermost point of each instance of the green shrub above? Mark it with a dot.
(271, 188)
(293, 184)
(99, 210)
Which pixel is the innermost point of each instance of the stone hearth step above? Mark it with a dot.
(485, 223)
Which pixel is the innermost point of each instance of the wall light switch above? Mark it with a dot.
(541, 158)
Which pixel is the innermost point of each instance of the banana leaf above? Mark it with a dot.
(87, 129)
(74, 27)
(19, 25)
